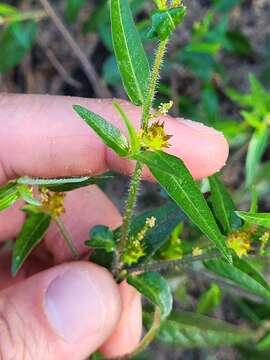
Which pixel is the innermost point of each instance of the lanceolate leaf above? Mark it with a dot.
(262, 219)
(223, 206)
(8, 195)
(175, 178)
(189, 330)
(256, 149)
(31, 234)
(241, 275)
(131, 58)
(164, 22)
(167, 217)
(155, 288)
(110, 135)
(62, 184)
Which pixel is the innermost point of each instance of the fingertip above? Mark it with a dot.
(127, 335)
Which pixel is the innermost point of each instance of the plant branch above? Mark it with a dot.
(67, 238)
(99, 87)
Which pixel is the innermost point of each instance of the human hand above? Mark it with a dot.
(70, 310)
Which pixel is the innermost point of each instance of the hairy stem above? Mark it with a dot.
(136, 177)
(67, 238)
(153, 83)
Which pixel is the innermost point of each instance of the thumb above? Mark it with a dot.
(66, 312)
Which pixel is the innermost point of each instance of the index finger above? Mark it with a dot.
(41, 136)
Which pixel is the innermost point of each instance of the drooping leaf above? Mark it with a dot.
(8, 195)
(175, 178)
(155, 288)
(240, 275)
(164, 22)
(190, 330)
(131, 58)
(167, 217)
(15, 41)
(110, 135)
(262, 219)
(33, 230)
(223, 206)
(101, 237)
(209, 300)
(256, 149)
(62, 184)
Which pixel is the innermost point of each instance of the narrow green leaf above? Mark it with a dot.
(190, 330)
(131, 58)
(264, 343)
(33, 230)
(175, 178)
(167, 217)
(134, 141)
(239, 274)
(6, 9)
(256, 149)
(254, 200)
(8, 195)
(27, 195)
(209, 300)
(164, 22)
(262, 219)
(223, 206)
(101, 237)
(110, 135)
(155, 288)
(73, 8)
(62, 184)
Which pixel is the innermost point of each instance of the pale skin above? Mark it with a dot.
(41, 136)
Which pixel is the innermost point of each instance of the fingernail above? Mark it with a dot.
(195, 125)
(74, 305)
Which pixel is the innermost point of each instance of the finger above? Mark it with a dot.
(126, 336)
(85, 208)
(66, 312)
(46, 130)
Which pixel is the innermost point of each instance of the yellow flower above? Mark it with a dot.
(52, 204)
(155, 138)
(240, 242)
(197, 251)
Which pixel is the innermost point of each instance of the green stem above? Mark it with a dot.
(136, 177)
(151, 333)
(153, 83)
(67, 238)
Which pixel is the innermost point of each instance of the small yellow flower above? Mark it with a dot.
(155, 138)
(52, 204)
(197, 251)
(240, 242)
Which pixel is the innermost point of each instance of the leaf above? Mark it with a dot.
(101, 237)
(131, 58)
(164, 22)
(6, 9)
(167, 216)
(8, 195)
(27, 195)
(262, 219)
(73, 8)
(15, 41)
(240, 275)
(223, 206)
(209, 300)
(134, 141)
(155, 288)
(175, 178)
(264, 343)
(110, 135)
(62, 184)
(190, 330)
(33, 230)
(256, 149)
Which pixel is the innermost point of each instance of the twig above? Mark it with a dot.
(59, 67)
(67, 238)
(99, 87)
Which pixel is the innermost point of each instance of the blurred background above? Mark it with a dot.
(217, 71)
